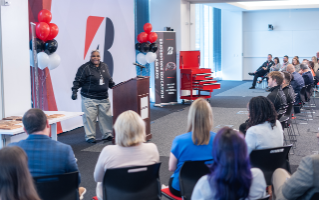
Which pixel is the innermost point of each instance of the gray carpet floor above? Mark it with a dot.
(229, 109)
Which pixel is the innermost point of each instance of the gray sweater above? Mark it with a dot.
(303, 183)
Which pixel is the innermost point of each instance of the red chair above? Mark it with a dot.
(169, 195)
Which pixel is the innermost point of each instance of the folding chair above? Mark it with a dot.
(268, 160)
(132, 183)
(190, 173)
(61, 187)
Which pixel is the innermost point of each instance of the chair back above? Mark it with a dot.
(189, 174)
(289, 109)
(315, 196)
(268, 160)
(303, 94)
(62, 186)
(132, 183)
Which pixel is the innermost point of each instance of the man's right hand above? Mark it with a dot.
(74, 96)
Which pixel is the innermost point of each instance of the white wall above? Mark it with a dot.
(232, 45)
(16, 86)
(295, 33)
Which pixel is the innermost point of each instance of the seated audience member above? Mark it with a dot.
(264, 130)
(276, 96)
(275, 67)
(316, 64)
(287, 88)
(262, 70)
(284, 65)
(296, 64)
(306, 74)
(16, 182)
(45, 156)
(297, 82)
(311, 67)
(302, 184)
(129, 151)
(231, 176)
(197, 144)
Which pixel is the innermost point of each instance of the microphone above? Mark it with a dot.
(141, 66)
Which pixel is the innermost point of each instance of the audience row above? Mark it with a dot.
(231, 176)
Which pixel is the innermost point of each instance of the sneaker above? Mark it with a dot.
(251, 74)
(108, 138)
(82, 191)
(92, 140)
(252, 87)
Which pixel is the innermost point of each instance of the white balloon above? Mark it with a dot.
(31, 59)
(150, 57)
(54, 61)
(43, 60)
(141, 58)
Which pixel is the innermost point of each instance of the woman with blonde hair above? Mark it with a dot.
(16, 182)
(196, 144)
(129, 151)
(316, 64)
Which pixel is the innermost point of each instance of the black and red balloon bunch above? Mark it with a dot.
(45, 43)
(146, 45)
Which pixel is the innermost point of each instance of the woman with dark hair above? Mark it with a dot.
(231, 177)
(264, 130)
(296, 63)
(16, 182)
(311, 65)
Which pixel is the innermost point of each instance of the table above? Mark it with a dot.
(5, 135)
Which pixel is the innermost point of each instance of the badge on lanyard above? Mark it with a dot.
(101, 80)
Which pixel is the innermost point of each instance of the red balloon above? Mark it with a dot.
(45, 16)
(147, 27)
(42, 30)
(142, 37)
(152, 37)
(54, 30)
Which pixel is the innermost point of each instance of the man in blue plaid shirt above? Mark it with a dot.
(45, 156)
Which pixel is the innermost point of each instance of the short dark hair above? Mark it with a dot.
(261, 109)
(269, 55)
(34, 120)
(287, 76)
(277, 59)
(277, 76)
(286, 57)
(311, 65)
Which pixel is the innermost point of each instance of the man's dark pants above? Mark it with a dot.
(257, 74)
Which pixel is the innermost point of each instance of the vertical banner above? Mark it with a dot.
(165, 69)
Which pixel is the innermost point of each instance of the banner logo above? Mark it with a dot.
(93, 24)
(170, 50)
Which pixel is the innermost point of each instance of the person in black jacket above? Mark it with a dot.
(287, 88)
(94, 79)
(276, 96)
(262, 70)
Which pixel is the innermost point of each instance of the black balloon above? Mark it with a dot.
(138, 46)
(39, 45)
(50, 46)
(145, 47)
(153, 47)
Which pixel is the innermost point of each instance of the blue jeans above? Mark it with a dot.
(93, 109)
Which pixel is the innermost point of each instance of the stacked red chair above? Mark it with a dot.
(194, 78)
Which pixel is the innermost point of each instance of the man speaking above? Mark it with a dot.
(95, 79)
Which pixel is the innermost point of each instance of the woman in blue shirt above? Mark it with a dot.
(195, 145)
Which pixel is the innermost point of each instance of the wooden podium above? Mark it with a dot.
(133, 95)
